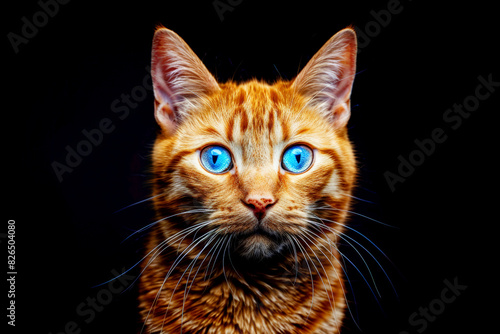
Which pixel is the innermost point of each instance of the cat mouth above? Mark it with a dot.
(258, 243)
(260, 232)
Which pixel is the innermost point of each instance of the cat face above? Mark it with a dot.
(256, 162)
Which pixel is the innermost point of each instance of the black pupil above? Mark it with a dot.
(214, 158)
(297, 156)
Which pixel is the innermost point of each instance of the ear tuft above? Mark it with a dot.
(180, 79)
(328, 77)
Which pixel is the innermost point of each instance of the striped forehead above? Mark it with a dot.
(255, 123)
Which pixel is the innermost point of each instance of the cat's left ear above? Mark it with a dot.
(328, 77)
(180, 79)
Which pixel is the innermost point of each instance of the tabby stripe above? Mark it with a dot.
(270, 126)
(285, 131)
(210, 131)
(172, 165)
(243, 120)
(240, 99)
(274, 98)
(229, 128)
(338, 165)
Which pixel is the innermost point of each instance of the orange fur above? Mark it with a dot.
(221, 277)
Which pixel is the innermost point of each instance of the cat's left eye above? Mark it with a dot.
(297, 159)
(216, 159)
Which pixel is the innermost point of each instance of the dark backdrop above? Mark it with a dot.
(82, 66)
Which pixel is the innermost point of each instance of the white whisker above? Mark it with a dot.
(356, 213)
(165, 218)
(181, 256)
(310, 271)
(332, 303)
(343, 236)
(138, 202)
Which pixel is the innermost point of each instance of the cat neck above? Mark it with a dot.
(250, 294)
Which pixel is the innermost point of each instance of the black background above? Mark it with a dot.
(427, 58)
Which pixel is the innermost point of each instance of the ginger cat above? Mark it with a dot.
(252, 185)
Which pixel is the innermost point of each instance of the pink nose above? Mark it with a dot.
(259, 204)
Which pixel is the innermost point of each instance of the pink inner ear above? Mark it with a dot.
(347, 71)
(180, 78)
(165, 117)
(163, 93)
(341, 114)
(328, 77)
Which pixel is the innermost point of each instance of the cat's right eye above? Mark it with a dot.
(216, 159)
(297, 159)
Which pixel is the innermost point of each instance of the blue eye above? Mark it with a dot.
(216, 159)
(297, 159)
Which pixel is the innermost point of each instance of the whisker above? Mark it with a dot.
(138, 202)
(342, 266)
(355, 231)
(296, 260)
(321, 278)
(310, 272)
(362, 276)
(357, 198)
(223, 266)
(155, 249)
(230, 260)
(192, 264)
(360, 255)
(342, 235)
(358, 214)
(215, 260)
(194, 235)
(181, 256)
(165, 218)
(207, 255)
(165, 245)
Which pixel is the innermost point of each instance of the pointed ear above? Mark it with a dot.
(327, 78)
(180, 79)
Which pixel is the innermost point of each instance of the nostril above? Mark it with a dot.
(249, 205)
(268, 202)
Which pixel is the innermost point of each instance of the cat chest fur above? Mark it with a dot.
(209, 299)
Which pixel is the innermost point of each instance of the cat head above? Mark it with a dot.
(255, 163)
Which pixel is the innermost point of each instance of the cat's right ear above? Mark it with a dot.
(328, 77)
(180, 79)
